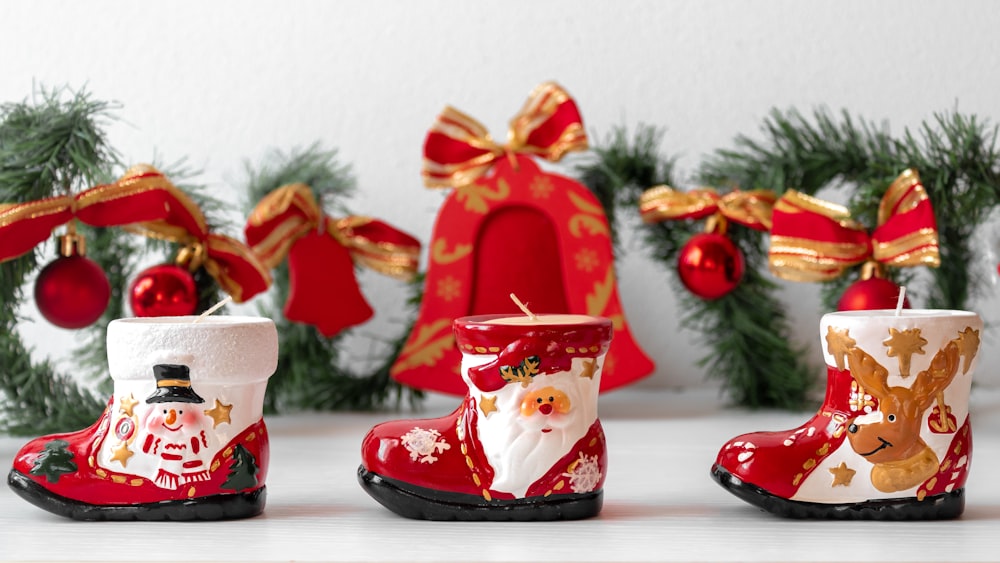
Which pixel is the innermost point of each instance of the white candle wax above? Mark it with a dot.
(553, 319)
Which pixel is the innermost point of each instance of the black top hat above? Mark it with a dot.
(173, 385)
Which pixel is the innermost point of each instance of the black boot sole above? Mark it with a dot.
(214, 507)
(939, 507)
(421, 503)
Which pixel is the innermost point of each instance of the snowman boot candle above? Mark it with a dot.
(892, 440)
(182, 438)
(525, 444)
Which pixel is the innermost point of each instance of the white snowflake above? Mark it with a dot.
(585, 474)
(423, 444)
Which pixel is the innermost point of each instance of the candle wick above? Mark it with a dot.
(523, 307)
(214, 308)
(899, 302)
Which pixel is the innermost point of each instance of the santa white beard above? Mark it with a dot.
(516, 447)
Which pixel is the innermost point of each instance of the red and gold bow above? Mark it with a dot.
(321, 254)
(750, 209)
(142, 201)
(459, 149)
(815, 240)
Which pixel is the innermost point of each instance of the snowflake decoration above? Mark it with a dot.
(541, 188)
(584, 474)
(449, 288)
(587, 260)
(423, 444)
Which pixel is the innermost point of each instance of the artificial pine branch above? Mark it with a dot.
(621, 170)
(310, 374)
(956, 156)
(746, 329)
(48, 147)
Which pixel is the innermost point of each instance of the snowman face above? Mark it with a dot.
(166, 418)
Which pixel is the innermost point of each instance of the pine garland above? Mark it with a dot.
(956, 156)
(310, 373)
(747, 329)
(48, 147)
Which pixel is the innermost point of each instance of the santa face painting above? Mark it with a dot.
(533, 426)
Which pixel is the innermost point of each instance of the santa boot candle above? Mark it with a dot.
(182, 438)
(892, 440)
(526, 442)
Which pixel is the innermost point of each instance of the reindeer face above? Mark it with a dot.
(890, 433)
(893, 432)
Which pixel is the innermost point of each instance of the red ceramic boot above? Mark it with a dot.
(181, 439)
(525, 444)
(892, 439)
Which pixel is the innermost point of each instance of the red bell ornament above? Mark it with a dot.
(72, 291)
(710, 265)
(165, 290)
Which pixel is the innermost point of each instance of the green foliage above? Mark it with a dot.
(956, 156)
(310, 373)
(622, 170)
(746, 330)
(48, 147)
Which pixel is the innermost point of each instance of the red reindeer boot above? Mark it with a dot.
(181, 439)
(892, 440)
(525, 444)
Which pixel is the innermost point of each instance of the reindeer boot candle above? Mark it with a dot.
(182, 438)
(892, 440)
(525, 444)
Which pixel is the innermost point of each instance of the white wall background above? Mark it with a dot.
(223, 82)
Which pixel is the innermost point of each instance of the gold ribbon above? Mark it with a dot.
(751, 208)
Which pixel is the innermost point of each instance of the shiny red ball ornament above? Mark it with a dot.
(710, 265)
(72, 291)
(165, 290)
(872, 293)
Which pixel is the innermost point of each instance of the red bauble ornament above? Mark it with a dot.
(710, 265)
(72, 291)
(165, 290)
(871, 293)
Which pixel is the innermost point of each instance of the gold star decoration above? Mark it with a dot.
(968, 346)
(904, 344)
(121, 453)
(589, 368)
(127, 404)
(488, 404)
(838, 343)
(219, 413)
(842, 475)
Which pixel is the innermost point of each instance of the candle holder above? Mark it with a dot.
(892, 440)
(182, 438)
(526, 442)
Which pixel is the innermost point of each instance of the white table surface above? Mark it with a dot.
(660, 503)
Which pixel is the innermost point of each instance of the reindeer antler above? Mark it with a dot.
(868, 372)
(936, 378)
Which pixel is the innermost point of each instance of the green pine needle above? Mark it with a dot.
(956, 156)
(50, 146)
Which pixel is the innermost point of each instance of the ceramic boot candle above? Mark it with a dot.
(525, 444)
(892, 439)
(182, 438)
